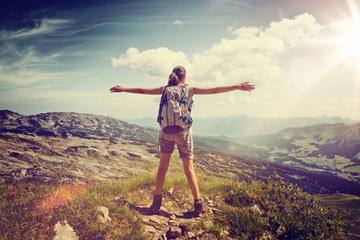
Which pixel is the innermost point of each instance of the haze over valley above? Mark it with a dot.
(87, 145)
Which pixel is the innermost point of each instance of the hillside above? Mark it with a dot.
(331, 148)
(90, 159)
(84, 146)
(77, 125)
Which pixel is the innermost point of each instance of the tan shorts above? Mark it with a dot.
(183, 140)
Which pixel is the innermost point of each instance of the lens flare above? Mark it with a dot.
(63, 195)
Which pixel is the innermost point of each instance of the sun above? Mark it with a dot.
(350, 36)
(351, 41)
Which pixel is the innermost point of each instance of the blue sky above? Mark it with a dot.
(303, 56)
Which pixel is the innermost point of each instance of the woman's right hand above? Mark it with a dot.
(245, 86)
(117, 88)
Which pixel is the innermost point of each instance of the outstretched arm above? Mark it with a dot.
(213, 90)
(151, 91)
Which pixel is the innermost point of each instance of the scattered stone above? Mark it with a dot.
(210, 203)
(155, 219)
(64, 232)
(208, 237)
(173, 232)
(171, 191)
(255, 209)
(280, 230)
(134, 155)
(208, 224)
(226, 232)
(266, 236)
(104, 217)
(150, 229)
(23, 172)
(191, 235)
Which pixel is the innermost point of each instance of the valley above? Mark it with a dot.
(83, 146)
(323, 148)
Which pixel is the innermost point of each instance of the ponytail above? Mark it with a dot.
(173, 80)
(177, 76)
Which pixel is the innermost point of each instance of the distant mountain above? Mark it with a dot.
(67, 146)
(322, 147)
(73, 124)
(238, 126)
(225, 145)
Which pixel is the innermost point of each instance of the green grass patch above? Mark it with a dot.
(30, 210)
(274, 210)
(355, 169)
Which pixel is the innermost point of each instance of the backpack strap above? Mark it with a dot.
(162, 102)
(183, 99)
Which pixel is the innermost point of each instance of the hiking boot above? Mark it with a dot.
(155, 206)
(198, 204)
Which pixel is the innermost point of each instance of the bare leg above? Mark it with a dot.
(191, 177)
(163, 167)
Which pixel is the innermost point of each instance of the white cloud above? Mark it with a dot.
(26, 78)
(253, 54)
(291, 31)
(44, 26)
(156, 63)
(25, 67)
(265, 56)
(21, 62)
(177, 22)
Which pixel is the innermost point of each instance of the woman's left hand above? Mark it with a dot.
(245, 86)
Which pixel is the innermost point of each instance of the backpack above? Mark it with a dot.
(174, 109)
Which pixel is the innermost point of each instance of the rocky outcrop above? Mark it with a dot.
(176, 219)
(66, 146)
(63, 124)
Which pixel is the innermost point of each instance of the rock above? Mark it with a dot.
(134, 155)
(150, 229)
(173, 232)
(171, 191)
(155, 219)
(23, 172)
(211, 203)
(255, 209)
(191, 235)
(104, 216)
(280, 230)
(208, 224)
(208, 236)
(64, 232)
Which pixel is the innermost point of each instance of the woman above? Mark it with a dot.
(182, 139)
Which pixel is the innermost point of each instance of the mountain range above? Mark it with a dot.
(86, 146)
(332, 148)
(239, 126)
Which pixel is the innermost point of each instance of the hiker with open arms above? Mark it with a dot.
(175, 122)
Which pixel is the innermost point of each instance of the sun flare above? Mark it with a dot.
(346, 38)
(351, 41)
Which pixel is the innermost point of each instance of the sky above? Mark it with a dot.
(303, 56)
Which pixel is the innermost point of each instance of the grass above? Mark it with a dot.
(30, 210)
(348, 206)
(275, 210)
